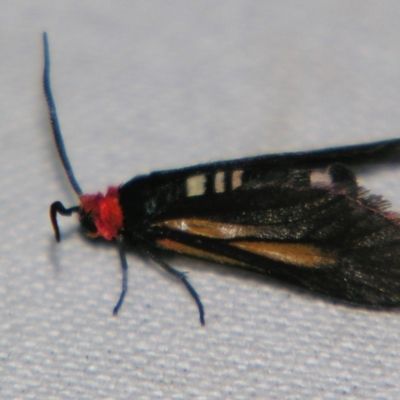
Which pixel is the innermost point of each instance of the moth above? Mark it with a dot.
(300, 218)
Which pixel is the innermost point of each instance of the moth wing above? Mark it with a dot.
(309, 227)
(343, 245)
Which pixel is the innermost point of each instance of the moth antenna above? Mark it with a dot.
(55, 126)
(57, 207)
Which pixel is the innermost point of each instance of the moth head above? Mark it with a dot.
(99, 214)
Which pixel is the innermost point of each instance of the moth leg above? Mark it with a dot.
(182, 277)
(124, 289)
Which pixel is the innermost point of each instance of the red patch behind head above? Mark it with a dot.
(105, 212)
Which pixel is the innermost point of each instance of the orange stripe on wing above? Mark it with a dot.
(195, 252)
(215, 230)
(302, 255)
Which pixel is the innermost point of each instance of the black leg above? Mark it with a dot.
(182, 277)
(124, 266)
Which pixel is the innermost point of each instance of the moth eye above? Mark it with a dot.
(87, 223)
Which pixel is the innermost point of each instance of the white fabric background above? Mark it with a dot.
(145, 85)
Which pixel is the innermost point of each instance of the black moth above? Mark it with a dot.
(297, 217)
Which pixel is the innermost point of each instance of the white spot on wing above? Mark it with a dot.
(320, 179)
(219, 182)
(195, 185)
(236, 179)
